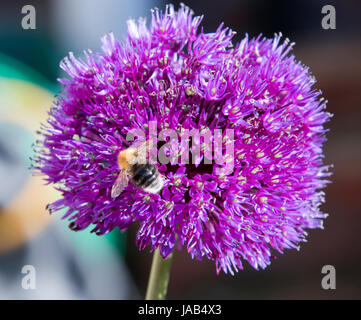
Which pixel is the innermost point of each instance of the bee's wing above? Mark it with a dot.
(120, 183)
(143, 150)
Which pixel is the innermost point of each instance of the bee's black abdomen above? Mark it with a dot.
(144, 175)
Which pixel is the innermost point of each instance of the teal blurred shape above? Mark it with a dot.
(14, 69)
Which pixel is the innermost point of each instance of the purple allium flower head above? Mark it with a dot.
(176, 75)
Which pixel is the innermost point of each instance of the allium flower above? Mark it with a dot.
(182, 78)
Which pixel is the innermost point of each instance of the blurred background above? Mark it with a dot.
(72, 265)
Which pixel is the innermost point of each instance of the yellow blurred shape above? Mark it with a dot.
(24, 104)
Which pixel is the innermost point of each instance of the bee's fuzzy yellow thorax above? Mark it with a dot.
(125, 158)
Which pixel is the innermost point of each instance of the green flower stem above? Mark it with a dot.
(159, 277)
